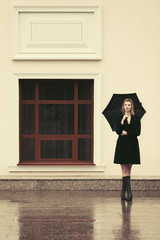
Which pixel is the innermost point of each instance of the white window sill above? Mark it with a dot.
(57, 168)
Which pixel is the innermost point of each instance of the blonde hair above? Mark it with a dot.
(132, 106)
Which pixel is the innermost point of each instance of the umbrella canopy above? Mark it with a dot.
(113, 109)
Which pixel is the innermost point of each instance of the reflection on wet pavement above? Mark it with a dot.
(78, 215)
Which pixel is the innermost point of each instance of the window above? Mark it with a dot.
(56, 121)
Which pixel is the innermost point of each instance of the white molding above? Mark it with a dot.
(87, 47)
(12, 165)
(55, 168)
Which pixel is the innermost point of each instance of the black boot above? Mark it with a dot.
(123, 197)
(128, 188)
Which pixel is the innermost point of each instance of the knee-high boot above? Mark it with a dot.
(128, 188)
(123, 191)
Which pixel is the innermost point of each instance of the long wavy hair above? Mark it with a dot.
(132, 106)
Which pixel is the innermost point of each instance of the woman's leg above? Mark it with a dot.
(126, 169)
(129, 169)
(126, 172)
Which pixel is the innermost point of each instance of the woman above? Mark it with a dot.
(128, 127)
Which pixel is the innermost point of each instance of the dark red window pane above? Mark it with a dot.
(56, 90)
(56, 118)
(28, 149)
(28, 119)
(84, 119)
(56, 149)
(84, 149)
(84, 90)
(28, 89)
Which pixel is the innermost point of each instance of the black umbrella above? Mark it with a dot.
(113, 109)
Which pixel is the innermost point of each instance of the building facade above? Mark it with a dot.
(60, 65)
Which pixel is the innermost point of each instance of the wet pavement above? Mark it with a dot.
(79, 215)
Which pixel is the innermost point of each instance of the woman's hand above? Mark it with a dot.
(123, 119)
(123, 133)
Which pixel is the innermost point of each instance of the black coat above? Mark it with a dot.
(127, 147)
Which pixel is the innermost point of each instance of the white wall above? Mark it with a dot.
(132, 56)
(130, 63)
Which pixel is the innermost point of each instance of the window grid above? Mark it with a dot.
(74, 137)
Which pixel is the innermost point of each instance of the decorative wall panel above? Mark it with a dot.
(63, 32)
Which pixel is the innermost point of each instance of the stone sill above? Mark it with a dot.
(74, 177)
(76, 184)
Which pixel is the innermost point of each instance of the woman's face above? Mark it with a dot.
(127, 106)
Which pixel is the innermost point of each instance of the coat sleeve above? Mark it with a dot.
(136, 130)
(119, 126)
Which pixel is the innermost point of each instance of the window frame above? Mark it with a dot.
(40, 137)
(14, 123)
